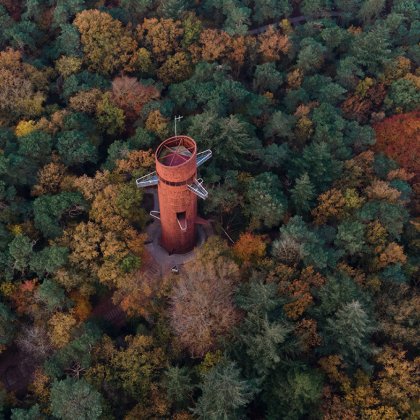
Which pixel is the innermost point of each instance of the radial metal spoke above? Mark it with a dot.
(175, 153)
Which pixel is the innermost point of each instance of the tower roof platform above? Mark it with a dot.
(176, 151)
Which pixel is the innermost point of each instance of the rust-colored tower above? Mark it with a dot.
(176, 167)
(178, 187)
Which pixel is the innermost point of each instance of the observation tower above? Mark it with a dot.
(178, 188)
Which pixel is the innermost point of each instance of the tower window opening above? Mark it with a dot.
(182, 220)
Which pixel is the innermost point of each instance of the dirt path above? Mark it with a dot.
(294, 21)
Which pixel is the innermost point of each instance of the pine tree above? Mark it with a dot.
(20, 250)
(348, 332)
(302, 194)
(177, 381)
(264, 334)
(32, 413)
(75, 399)
(224, 393)
(295, 394)
(350, 236)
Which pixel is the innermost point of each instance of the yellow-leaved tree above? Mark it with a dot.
(107, 44)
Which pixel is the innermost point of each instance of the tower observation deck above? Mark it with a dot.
(178, 188)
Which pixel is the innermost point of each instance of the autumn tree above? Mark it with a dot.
(161, 36)
(397, 383)
(387, 394)
(300, 291)
(175, 69)
(84, 241)
(82, 307)
(67, 66)
(61, 325)
(294, 323)
(23, 128)
(50, 178)
(399, 321)
(397, 137)
(107, 45)
(202, 309)
(111, 119)
(108, 246)
(157, 123)
(214, 44)
(85, 100)
(21, 85)
(367, 97)
(130, 95)
(272, 44)
(249, 247)
(130, 370)
(332, 205)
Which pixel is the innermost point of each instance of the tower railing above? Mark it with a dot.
(203, 156)
(182, 222)
(155, 214)
(152, 179)
(148, 180)
(197, 188)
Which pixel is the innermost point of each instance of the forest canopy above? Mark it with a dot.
(303, 303)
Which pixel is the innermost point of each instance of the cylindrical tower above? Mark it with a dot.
(176, 168)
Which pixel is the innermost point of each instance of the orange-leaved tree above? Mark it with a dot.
(271, 44)
(130, 95)
(398, 138)
(249, 247)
